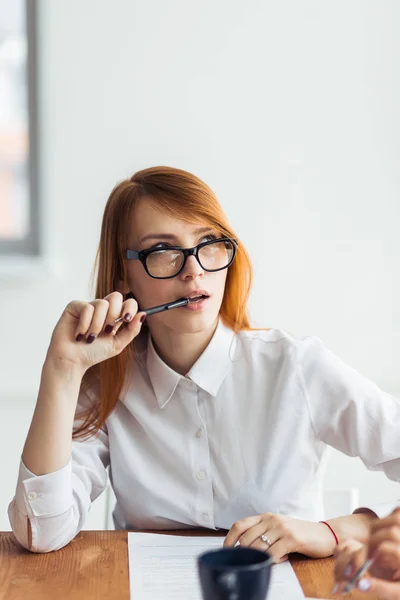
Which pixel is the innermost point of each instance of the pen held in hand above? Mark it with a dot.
(357, 576)
(168, 306)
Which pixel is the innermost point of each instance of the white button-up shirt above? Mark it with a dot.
(243, 433)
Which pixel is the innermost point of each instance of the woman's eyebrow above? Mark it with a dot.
(170, 236)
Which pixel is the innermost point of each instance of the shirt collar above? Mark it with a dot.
(208, 372)
(163, 379)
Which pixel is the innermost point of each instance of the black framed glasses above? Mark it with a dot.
(168, 262)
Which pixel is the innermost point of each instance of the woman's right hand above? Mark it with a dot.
(86, 333)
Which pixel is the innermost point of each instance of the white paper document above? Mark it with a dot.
(164, 567)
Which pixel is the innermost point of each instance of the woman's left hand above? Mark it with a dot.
(284, 535)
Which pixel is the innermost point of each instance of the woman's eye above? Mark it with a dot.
(208, 238)
(159, 246)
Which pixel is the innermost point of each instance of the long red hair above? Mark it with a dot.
(183, 196)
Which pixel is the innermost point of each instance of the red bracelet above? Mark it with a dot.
(334, 534)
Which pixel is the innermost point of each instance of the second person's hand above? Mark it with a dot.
(383, 547)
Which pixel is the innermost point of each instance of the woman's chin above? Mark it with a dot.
(190, 321)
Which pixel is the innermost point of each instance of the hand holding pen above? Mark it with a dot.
(375, 566)
(86, 333)
(91, 332)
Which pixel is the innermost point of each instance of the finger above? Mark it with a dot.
(129, 309)
(384, 590)
(239, 528)
(273, 535)
(279, 550)
(115, 303)
(348, 559)
(85, 319)
(392, 520)
(283, 559)
(128, 333)
(273, 551)
(98, 319)
(74, 308)
(254, 533)
(386, 558)
(386, 534)
(350, 546)
(259, 544)
(119, 310)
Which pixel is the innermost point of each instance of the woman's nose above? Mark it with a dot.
(192, 269)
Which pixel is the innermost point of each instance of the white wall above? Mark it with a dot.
(288, 109)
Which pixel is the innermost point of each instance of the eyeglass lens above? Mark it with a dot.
(212, 257)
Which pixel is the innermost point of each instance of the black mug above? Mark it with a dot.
(234, 574)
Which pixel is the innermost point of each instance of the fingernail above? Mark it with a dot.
(91, 338)
(108, 329)
(79, 337)
(143, 318)
(364, 585)
(335, 588)
(128, 317)
(348, 571)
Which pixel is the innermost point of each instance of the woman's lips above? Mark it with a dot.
(196, 306)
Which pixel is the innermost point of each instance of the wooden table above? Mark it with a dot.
(94, 566)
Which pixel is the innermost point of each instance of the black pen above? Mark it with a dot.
(357, 576)
(161, 307)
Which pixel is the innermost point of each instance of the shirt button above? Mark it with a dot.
(31, 496)
(205, 516)
(198, 433)
(200, 475)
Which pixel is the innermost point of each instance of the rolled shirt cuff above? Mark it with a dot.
(44, 495)
(380, 510)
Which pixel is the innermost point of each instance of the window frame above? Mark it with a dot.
(30, 246)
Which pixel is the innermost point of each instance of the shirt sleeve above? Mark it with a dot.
(351, 413)
(48, 511)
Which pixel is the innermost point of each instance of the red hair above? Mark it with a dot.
(183, 196)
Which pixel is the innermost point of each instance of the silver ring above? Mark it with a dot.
(266, 540)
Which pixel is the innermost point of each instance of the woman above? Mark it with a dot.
(383, 547)
(203, 421)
